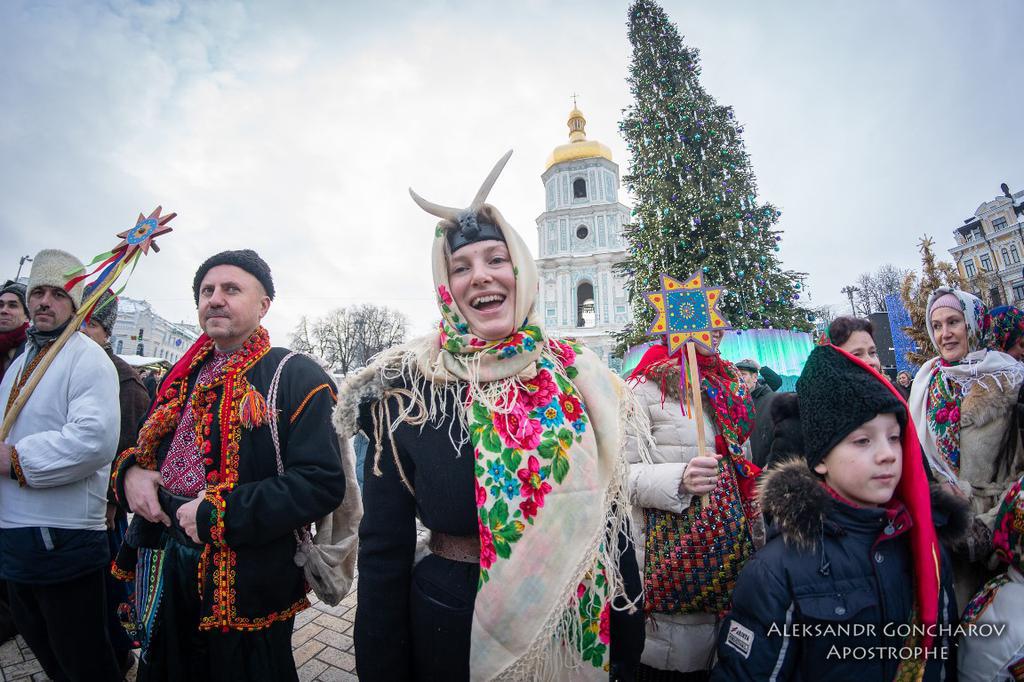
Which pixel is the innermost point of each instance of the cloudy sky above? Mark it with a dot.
(295, 127)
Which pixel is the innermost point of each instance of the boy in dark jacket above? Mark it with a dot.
(853, 584)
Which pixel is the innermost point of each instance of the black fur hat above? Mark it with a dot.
(837, 396)
(247, 259)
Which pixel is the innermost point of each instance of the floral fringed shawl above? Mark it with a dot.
(547, 421)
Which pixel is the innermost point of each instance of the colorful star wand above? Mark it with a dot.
(687, 314)
(134, 243)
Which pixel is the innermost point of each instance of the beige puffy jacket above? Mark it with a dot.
(682, 642)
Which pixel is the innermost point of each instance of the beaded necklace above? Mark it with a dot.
(165, 417)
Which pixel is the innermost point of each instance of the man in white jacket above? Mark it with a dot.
(53, 546)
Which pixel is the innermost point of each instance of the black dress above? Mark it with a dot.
(414, 622)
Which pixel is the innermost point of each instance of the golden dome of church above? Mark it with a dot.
(579, 147)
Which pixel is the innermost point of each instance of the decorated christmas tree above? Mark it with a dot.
(934, 274)
(695, 194)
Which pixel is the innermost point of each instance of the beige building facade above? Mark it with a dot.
(989, 250)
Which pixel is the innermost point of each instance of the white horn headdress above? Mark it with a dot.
(457, 215)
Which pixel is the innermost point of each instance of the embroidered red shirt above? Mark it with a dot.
(182, 470)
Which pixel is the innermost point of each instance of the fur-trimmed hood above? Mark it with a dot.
(365, 384)
(799, 506)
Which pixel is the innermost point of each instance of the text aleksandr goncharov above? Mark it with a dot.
(895, 630)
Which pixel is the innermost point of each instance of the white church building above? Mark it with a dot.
(579, 240)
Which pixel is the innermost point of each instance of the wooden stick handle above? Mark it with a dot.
(697, 411)
(40, 370)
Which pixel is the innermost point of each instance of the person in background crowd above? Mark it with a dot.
(359, 444)
(53, 502)
(963, 402)
(999, 603)
(13, 323)
(134, 401)
(204, 483)
(151, 381)
(1003, 330)
(903, 384)
(856, 336)
(787, 439)
(507, 445)
(675, 476)
(13, 327)
(763, 397)
(853, 544)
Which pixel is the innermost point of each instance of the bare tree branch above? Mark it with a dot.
(347, 338)
(874, 287)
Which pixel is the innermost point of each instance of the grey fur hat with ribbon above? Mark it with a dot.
(53, 268)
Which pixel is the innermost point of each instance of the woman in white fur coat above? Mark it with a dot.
(963, 402)
(675, 474)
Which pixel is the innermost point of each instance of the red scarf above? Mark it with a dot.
(12, 339)
(181, 368)
(8, 342)
(731, 407)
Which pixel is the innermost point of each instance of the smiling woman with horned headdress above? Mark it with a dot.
(506, 444)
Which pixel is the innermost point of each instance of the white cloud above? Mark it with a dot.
(295, 129)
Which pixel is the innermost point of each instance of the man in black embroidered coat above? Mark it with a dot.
(205, 467)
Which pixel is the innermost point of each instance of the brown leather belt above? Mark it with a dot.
(464, 548)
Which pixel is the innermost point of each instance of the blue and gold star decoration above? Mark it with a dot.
(686, 311)
(146, 230)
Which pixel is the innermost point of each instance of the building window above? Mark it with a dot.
(585, 309)
(986, 263)
(1006, 256)
(1018, 293)
(582, 231)
(1014, 255)
(969, 267)
(999, 223)
(579, 188)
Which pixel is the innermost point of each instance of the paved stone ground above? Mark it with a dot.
(322, 644)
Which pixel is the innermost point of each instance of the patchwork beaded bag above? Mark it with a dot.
(693, 559)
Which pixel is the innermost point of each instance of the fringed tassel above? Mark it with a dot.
(252, 409)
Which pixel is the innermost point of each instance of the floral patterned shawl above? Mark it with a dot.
(1002, 328)
(547, 420)
(1008, 541)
